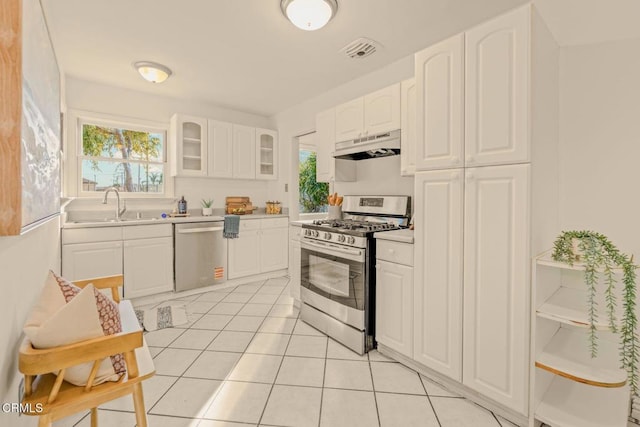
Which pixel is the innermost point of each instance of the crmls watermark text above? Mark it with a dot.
(16, 408)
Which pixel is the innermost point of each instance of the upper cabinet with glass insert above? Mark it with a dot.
(266, 154)
(203, 147)
(188, 146)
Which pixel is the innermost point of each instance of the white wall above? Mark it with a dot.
(98, 98)
(600, 140)
(374, 176)
(24, 263)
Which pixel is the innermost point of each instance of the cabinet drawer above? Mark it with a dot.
(399, 253)
(249, 224)
(147, 231)
(88, 235)
(275, 223)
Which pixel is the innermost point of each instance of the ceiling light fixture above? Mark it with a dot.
(152, 72)
(309, 15)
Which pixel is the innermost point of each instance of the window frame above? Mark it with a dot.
(76, 155)
(308, 215)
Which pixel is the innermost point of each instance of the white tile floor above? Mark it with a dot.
(245, 359)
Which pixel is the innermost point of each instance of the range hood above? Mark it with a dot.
(369, 147)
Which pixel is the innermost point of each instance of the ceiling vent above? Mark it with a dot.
(361, 48)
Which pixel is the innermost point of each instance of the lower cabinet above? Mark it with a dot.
(294, 261)
(148, 266)
(244, 254)
(394, 296)
(142, 253)
(89, 260)
(262, 246)
(274, 249)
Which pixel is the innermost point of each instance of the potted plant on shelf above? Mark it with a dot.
(598, 255)
(207, 207)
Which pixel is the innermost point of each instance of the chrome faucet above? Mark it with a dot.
(119, 212)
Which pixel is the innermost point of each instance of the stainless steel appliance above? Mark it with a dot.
(338, 267)
(200, 254)
(368, 147)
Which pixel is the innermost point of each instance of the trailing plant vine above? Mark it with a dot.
(600, 255)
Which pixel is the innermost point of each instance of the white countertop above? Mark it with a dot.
(106, 223)
(405, 235)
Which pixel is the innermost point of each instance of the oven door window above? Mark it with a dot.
(334, 277)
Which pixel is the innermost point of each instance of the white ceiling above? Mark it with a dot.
(243, 54)
(575, 22)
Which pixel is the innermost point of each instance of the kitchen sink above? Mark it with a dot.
(109, 220)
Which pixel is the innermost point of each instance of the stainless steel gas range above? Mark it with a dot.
(338, 267)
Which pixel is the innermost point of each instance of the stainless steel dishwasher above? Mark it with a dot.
(200, 255)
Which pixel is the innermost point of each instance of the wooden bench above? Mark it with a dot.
(51, 398)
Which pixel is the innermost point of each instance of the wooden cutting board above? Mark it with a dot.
(237, 199)
(239, 208)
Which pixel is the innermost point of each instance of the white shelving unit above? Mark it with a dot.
(569, 388)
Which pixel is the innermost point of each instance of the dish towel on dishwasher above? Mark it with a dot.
(231, 226)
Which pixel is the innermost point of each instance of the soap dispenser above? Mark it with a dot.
(182, 206)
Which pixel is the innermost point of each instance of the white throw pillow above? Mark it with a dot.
(51, 324)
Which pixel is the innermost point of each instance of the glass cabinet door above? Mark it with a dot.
(267, 154)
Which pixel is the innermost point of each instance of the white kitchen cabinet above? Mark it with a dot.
(476, 227)
(327, 167)
(349, 120)
(382, 110)
(244, 152)
(244, 254)
(440, 105)
(261, 247)
(266, 154)
(371, 114)
(148, 266)
(294, 261)
(274, 243)
(496, 283)
(394, 306)
(220, 149)
(88, 260)
(439, 202)
(497, 90)
(143, 253)
(408, 127)
(188, 144)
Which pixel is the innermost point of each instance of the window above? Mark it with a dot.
(313, 195)
(132, 160)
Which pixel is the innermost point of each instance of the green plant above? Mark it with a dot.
(207, 203)
(313, 194)
(600, 255)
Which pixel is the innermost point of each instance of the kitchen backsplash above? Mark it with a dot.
(379, 176)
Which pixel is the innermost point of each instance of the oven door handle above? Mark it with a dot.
(344, 252)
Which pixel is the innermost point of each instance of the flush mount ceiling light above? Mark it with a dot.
(309, 15)
(152, 72)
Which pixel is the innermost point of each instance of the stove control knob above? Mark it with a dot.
(351, 240)
(306, 232)
(327, 236)
(340, 238)
(316, 233)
